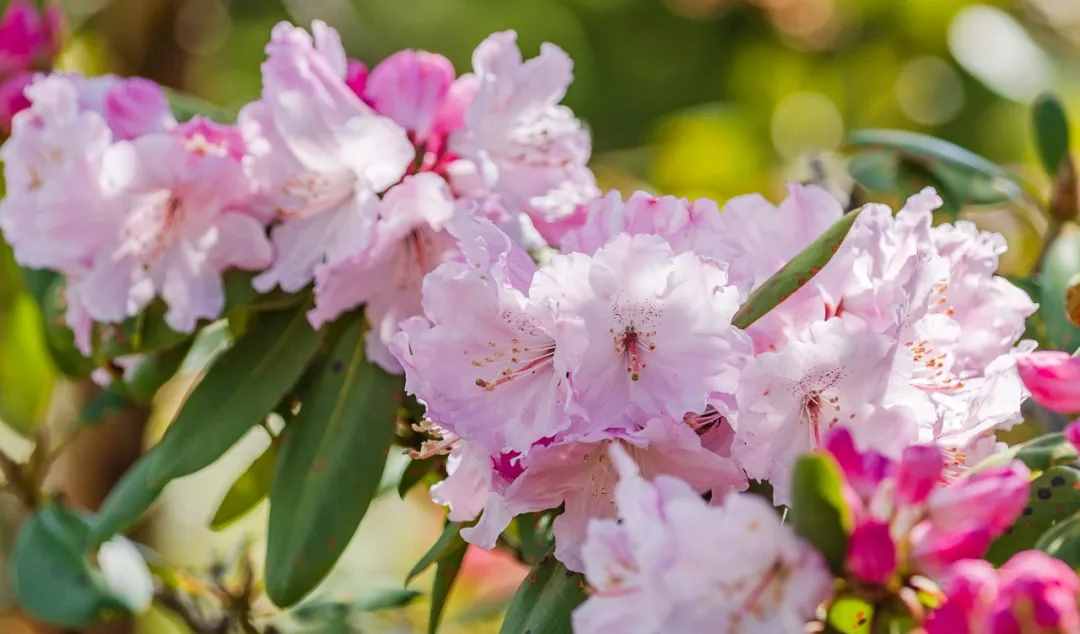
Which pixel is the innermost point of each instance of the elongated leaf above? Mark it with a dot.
(27, 372)
(448, 540)
(51, 574)
(1038, 454)
(240, 389)
(927, 147)
(249, 489)
(1054, 497)
(819, 513)
(331, 461)
(1063, 541)
(545, 600)
(388, 599)
(800, 270)
(446, 571)
(152, 371)
(416, 471)
(1051, 132)
(1061, 263)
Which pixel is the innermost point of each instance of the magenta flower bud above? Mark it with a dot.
(410, 87)
(920, 469)
(1053, 377)
(970, 587)
(12, 99)
(137, 106)
(990, 499)
(28, 37)
(934, 549)
(871, 552)
(1037, 593)
(1072, 434)
(864, 471)
(356, 74)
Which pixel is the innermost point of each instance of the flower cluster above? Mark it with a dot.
(608, 381)
(29, 41)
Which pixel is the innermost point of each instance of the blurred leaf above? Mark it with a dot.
(146, 332)
(49, 290)
(338, 442)
(797, 272)
(1063, 541)
(248, 490)
(414, 473)
(152, 371)
(386, 599)
(370, 602)
(447, 568)
(448, 540)
(242, 386)
(535, 539)
(185, 106)
(105, 403)
(51, 574)
(1054, 496)
(1062, 261)
(915, 145)
(1051, 132)
(545, 600)
(875, 171)
(1039, 454)
(818, 511)
(850, 614)
(26, 370)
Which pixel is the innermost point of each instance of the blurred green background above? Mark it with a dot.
(692, 97)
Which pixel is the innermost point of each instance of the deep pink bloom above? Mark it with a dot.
(921, 467)
(356, 74)
(1072, 434)
(1053, 378)
(29, 38)
(871, 552)
(12, 98)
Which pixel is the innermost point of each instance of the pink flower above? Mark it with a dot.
(407, 242)
(356, 74)
(410, 87)
(581, 477)
(29, 38)
(662, 567)
(134, 107)
(517, 144)
(919, 472)
(178, 233)
(1032, 593)
(319, 155)
(13, 98)
(1072, 434)
(650, 329)
(871, 552)
(1053, 378)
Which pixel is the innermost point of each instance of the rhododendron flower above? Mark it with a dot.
(29, 40)
(1053, 377)
(320, 155)
(908, 518)
(580, 476)
(651, 329)
(410, 87)
(1032, 593)
(517, 144)
(134, 107)
(674, 564)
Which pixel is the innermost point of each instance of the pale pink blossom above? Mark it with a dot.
(674, 564)
(407, 242)
(517, 143)
(319, 154)
(581, 476)
(134, 107)
(650, 329)
(410, 87)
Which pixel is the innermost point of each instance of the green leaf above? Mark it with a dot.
(1062, 261)
(876, 171)
(49, 291)
(446, 571)
(1051, 132)
(185, 106)
(544, 601)
(1063, 541)
(416, 471)
(386, 599)
(1038, 454)
(26, 369)
(152, 371)
(818, 511)
(1054, 496)
(448, 540)
(243, 385)
(52, 577)
(248, 490)
(146, 332)
(337, 443)
(850, 614)
(922, 146)
(800, 270)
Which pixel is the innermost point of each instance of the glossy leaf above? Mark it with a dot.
(337, 443)
(1062, 261)
(545, 601)
(128, 499)
(913, 144)
(1054, 497)
(818, 511)
(448, 540)
(1063, 541)
(248, 490)
(1051, 132)
(797, 272)
(51, 575)
(1038, 454)
(446, 571)
(242, 386)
